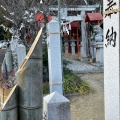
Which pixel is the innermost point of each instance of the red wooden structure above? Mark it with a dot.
(73, 33)
(94, 17)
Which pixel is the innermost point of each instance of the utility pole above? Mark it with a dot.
(59, 20)
(59, 15)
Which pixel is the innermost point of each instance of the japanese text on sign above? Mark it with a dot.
(110, 6)
(111, 34)
(111, 37)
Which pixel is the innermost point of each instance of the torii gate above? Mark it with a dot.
(81, 18)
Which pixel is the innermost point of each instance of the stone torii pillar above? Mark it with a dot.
(84, 42)
(112, 59)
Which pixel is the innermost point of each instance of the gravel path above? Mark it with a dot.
(82, 67)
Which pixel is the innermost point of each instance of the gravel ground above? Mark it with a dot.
(89, 106)
(82, 67)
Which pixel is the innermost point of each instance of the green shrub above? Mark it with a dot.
(45, 88)
(73, 84)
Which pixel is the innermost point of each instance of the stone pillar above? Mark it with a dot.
(9, 110)
(54, 57)
(93, 51)
(84, 42)
(30, 78)
(112, 60)
(8, 59)
(66, 47)
(56, 107)
(73, 47)
(14, 43)
(21, 53)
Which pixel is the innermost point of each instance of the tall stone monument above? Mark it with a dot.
(21, 53)
(112, 59)
(54, 57)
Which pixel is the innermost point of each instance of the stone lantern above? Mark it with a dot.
(73, 45)
(66, 45)
(99, 44)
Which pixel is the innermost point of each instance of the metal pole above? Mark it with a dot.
(59, 16)
(59, 20)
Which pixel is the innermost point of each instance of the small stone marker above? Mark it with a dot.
(13, 43)
(8, 59)
(112, 59)
(54, 57)
(21, 53)
(56, 107)
(99, 52)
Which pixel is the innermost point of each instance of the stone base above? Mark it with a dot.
(98, 65)
(84, 59)
(93, 60)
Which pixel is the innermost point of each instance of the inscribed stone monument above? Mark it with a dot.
(112, 59)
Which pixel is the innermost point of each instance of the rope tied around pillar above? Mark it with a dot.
(111, 11)
(55, 83)
(48, 33)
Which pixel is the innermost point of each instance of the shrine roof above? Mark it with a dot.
(93, 17)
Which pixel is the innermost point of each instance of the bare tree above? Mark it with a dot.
(22, 12)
